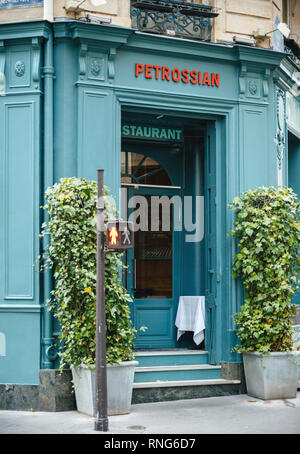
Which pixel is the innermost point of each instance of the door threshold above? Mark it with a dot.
(169, 351)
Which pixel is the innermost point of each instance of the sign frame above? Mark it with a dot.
(123, 229)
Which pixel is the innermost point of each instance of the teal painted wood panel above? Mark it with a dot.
(19, 202)
(21, 362)
(193, 267)
(211, 244)
(156, 81)
(294, 164)
(65, 109)
(99, 137)
(294, 178)
(157, 320)
(19, 210)
(254, 148)
(19, 70)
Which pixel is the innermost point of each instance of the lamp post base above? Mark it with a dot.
(101, 424)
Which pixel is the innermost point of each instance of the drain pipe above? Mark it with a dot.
(49, 351)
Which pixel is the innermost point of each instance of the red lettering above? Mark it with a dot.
(139, 68)
(206, 79)
(165, 73)
(148, 69)
(215, 79)
(176, 75)
(193, 77)
(157, 68)
(185, 76)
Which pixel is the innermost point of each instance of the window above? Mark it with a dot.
(139, 169)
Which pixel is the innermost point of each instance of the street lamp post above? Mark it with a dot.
(120, 237)
(101, 419)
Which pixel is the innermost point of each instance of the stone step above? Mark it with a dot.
(176, 373)
(181, 383)
(160, 391)
(172, 357)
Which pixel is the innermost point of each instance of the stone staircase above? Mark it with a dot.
(178, 374)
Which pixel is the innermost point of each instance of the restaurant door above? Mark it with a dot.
(153, 276)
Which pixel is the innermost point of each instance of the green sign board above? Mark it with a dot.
(152, 133)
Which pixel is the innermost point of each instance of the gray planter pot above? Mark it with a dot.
(273, 375)
(119, 388)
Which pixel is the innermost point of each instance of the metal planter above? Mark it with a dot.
(272, 376)
(119, 388)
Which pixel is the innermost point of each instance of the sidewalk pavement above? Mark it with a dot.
(239, 414)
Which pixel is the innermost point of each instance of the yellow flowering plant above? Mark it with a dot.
(71, 254)
(267, 226)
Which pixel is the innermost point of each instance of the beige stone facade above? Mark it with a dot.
(246, 18)
(294, 17)
(255, 18)
(117, 10)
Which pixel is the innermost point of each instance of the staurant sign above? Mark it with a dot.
(152, 133)
(176, 75)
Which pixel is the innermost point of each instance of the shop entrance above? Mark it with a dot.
(163, 178)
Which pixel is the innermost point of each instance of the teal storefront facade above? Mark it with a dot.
(68, 88)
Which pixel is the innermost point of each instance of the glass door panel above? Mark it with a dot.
(153, 257)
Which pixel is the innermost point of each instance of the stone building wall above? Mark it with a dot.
(241, 17)
(117, 10)
(294, 17)
(236, 17)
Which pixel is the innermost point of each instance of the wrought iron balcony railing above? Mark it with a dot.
(173, 17)
(292, 48)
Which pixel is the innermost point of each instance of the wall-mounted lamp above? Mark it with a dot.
(248, 41)
(282, 28)
(98, 19)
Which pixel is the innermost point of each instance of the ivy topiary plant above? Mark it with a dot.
(72, 226)
(267, 226)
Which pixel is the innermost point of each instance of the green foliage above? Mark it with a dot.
(72, 225)
(268, 229)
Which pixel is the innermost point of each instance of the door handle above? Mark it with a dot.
(134, 274)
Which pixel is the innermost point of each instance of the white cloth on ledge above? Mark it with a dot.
(191, 317)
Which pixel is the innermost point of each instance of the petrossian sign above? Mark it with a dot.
(19, 3)
(152, 133)
(174, 74)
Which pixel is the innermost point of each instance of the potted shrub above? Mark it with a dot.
(71, 205)
(268, 229)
